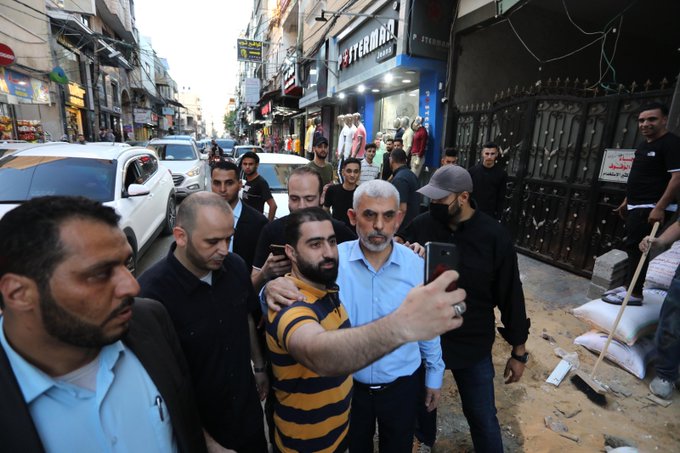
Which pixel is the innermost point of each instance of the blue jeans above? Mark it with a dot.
(475, 385)
(668, 333)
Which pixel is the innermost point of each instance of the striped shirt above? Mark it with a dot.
(369, 172)
(311, 412)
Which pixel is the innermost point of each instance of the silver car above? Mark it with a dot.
(187, 165)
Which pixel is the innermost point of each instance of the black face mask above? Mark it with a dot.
(440, 212)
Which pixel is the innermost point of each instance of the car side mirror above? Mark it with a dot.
(137, 190)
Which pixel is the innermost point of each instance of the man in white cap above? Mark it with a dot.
(490, 276)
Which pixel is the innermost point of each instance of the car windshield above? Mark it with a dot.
(26, 177)
(179, 151)
(241, 151)
(226, 144)
(277, 175)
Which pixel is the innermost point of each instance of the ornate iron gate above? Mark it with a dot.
(552, 140)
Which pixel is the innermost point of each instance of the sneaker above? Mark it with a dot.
(661, 387)
(419, 447)
(617, 299)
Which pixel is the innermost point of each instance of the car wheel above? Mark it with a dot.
(170, 216)
(132, 263)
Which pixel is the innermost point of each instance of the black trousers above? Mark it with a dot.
(637, 228)
(394, 407)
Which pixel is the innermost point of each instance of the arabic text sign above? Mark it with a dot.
(616, 165)
(248, 50)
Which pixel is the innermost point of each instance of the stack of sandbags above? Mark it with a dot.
(637, 324)
(662, 268)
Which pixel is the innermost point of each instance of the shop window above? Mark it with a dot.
(398, 105)
(114, 93)
(70, 62)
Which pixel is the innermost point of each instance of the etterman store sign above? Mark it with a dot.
(375, 41)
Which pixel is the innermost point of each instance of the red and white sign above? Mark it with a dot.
(6, 55)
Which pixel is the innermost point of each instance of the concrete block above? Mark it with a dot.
(595, 291)
(607, 265)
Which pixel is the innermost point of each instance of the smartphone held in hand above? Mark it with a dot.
(440, 257)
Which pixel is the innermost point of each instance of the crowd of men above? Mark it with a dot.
(325, 313)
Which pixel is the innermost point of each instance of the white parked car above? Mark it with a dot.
(129, 179)
(275, 169)
(188, 166)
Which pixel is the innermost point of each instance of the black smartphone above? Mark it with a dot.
(440, 257)
(277, 249)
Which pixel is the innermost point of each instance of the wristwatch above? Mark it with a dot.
(524, 358)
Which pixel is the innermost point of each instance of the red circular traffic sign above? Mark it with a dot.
(6, 55)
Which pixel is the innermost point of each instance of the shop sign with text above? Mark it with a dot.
(76, 95)
(374, 41)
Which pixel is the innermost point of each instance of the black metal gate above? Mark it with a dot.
(552, 138)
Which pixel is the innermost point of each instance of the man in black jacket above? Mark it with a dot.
(248, 222)
(489, 180)
(490, 276)
(75, 342)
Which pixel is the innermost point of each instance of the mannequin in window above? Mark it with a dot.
(359, 137)
(400, 130)
(407, 137)
(419, 145)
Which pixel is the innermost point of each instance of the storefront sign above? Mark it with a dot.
(430, 28)
(252, 91)
(374, 41)
(367, 43)
(616, 164)
(168, 111)
(266, 109)
(248, 50)
(76, 95)
(6, 55)
(290, 82)
(142, 115)
(22, 88)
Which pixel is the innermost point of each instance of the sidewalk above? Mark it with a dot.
(550, 294)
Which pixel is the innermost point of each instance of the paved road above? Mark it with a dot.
(157, 251)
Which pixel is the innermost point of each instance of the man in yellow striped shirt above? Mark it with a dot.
(313, 349)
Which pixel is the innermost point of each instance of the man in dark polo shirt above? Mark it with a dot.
(406, 183)
(651, 192)
(208, 294)
(256, 189)
(304, 191)
(489, 180)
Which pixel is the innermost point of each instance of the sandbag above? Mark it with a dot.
(636, 322)
(633, 359)
(662, 268)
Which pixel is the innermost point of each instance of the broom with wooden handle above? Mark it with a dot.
(580, 377)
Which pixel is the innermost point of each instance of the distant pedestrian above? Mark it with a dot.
(450, 157)
(110, 137)
(369, 169)
(407, 185)
(256, 190)
(320, 164)
(339, 197)
(489, 180)
(81, 140)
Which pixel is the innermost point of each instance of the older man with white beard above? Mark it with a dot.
(375, 274)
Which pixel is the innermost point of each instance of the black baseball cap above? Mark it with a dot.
(320, 140)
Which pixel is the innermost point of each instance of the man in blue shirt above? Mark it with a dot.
(84, 365)
(374, 276)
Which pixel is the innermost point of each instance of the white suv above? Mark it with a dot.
(129, 179)
(188, 166)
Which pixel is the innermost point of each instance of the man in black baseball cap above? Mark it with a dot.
(490, 276)
(319, 163)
